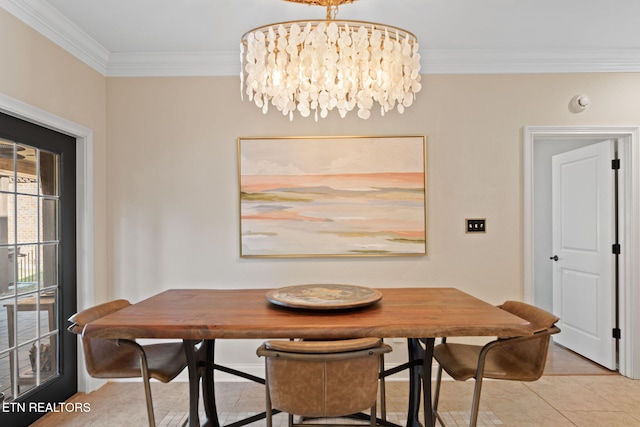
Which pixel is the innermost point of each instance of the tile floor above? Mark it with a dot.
(571, 393)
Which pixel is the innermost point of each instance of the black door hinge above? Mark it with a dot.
(616, 249)
(615, 164)
(617, 333)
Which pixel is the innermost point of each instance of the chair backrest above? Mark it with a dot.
(100, 354)
(530, 351)
(323, 378)
(539, 318)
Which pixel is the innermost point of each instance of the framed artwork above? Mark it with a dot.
(332, 196)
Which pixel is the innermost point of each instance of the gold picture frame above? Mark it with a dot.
(319, 196)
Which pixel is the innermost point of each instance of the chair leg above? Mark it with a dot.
(383, 392)
(269, 416)
(269, 408)
(144, 372)
(373, 421)
(147, 390)
(473, 421)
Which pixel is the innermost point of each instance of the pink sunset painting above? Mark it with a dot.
(349, 196)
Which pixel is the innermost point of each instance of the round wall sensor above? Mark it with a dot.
(583, 101)
(580, 102)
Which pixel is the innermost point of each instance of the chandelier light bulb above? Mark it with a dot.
(318, 66)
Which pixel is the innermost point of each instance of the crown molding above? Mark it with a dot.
(57, 28)
(515, 61)
(54, 26)
(168, 64)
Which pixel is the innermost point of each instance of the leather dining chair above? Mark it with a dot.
(322, 379)
(518, 358)
(119, 358)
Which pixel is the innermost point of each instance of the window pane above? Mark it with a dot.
(5, 378)
(7, 215)
(28, 270)
(48, 173)
(7, 149)
(49, 263)
(26, 319)
(27, 168)
(49, 220)
(26, 185)
(48, 321)
(6, 324)
(7, 271)
(5, 190)
(7, 165)
(27, 227)
(26, 377)
(48, 358)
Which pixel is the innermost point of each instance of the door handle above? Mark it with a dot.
(555, 258)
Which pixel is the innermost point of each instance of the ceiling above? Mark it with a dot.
(201, 37)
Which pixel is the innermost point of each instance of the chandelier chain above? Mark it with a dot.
(332, 10)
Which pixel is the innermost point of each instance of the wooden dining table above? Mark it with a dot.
(199, 317)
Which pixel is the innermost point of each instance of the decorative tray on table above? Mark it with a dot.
(324, 297)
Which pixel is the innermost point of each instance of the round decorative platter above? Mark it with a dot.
(324, 297)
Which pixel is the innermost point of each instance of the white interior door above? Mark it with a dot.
(583, 235)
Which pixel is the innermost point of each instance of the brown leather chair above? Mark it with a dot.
(518, 358)
(321, 379)
(124, 358)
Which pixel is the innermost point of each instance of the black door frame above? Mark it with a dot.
(65, 384)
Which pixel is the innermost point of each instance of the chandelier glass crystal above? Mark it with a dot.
(320, 65)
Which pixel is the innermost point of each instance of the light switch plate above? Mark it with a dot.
(476, 225)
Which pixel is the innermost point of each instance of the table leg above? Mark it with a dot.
(427, 362)
(198, 353)
(415, 354)
(420, 380)
(208, 385)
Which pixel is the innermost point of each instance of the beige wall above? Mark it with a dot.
(173, 211)
(37, 72)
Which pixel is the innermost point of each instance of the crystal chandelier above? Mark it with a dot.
(320, 65)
